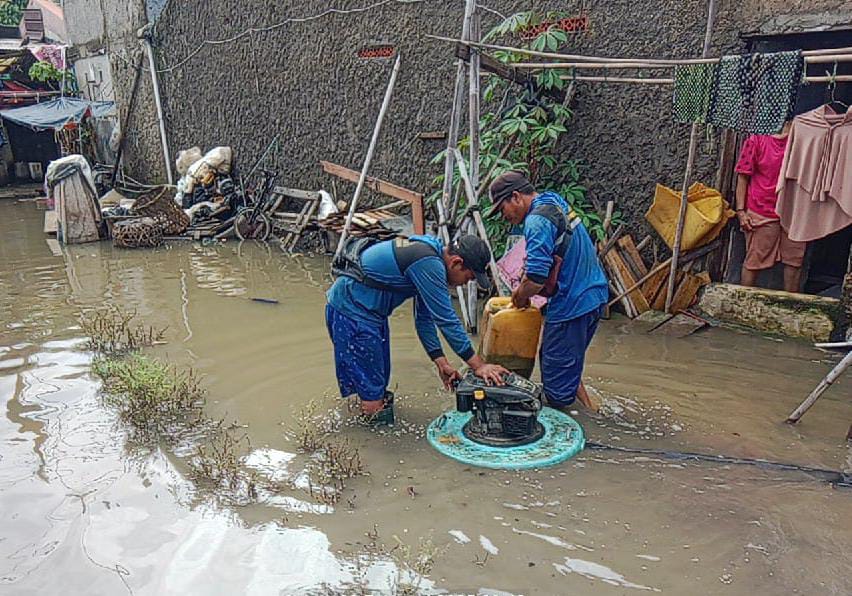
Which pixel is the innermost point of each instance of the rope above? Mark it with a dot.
(839, 479)
(273, 27)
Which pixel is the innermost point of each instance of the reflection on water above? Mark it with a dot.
(76, 507)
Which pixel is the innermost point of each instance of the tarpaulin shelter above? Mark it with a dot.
(57, 113)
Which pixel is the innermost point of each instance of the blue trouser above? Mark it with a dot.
(361, 355)
(563, 352)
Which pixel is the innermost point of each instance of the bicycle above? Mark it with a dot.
(252, 222)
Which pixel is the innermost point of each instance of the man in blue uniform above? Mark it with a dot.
(373, 279)
(562, 264)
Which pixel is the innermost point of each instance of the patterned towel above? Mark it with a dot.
(756, 93)
(693, 84)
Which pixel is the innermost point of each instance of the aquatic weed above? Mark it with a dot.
(219, 461)
(148, 394)
(113, 331)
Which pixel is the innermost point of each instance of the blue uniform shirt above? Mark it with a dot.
(425, 280)
(582, 283)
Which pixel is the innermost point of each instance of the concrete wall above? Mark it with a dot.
(303, 80)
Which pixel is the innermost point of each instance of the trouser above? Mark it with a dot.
(563, 353)
(361, 355)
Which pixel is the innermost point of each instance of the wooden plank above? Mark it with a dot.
(686, 292)
(627, 246)
(295, 193)
(659, 302)
(53, 245)
(628, 280)
(51, 222)
(415, 199)
(651, 288)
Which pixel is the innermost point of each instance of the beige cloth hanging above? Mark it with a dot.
(815, 185)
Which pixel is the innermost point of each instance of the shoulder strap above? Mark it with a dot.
(564, 224)
(407, 252)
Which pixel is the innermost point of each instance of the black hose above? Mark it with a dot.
(837, 479)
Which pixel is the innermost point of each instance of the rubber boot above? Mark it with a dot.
(385, 416)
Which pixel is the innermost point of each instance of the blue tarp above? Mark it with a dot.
(56, 113)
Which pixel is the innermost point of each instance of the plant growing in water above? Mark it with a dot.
(113, 331)
(524, 127)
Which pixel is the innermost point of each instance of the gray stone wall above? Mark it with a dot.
(304, 81)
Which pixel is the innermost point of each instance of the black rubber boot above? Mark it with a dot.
(385, 416)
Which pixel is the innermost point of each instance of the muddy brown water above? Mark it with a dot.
(82, 513)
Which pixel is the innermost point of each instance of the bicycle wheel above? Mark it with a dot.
(246, 229)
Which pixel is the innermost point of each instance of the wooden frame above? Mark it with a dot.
(415, 199)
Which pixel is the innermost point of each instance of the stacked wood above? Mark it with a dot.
(366, 223)
(640, 288)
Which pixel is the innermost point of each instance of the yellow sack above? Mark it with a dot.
(706, 215)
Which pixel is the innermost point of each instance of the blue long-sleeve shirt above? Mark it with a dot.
(425, 281)
(582, 283)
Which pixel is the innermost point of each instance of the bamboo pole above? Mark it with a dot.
(690, 163)
(458, 95)
(654, 81)
(829, 379)
(473, 124)
(452, 142)
(583, 58)
(477, 219)
(639, 64)
(369, 158)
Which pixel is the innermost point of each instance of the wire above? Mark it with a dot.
(268, 28)
(834, 477)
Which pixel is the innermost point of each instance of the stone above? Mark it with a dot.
(814, 318)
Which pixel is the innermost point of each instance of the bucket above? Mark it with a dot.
(510, 335)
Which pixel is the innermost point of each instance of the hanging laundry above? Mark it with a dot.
(815, 185)
(756, 93)
(693, 84)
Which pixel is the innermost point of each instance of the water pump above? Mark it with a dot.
(502, 415)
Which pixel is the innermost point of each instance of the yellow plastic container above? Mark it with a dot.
(706, 215)
(510, 336)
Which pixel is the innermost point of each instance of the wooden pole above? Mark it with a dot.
(455, 113)
(829, 379)
(369, 158)
(477, 219)
(690, 163)
(472, 184)
(580, 57)
(131, 106)
(161, 122)
(452, 141)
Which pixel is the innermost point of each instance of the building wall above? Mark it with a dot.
(304, 81)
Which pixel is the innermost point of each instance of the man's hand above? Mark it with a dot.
(746, 224)
(448, 374)
(491, 373)
(519, 299)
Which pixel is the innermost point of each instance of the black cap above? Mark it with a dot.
(503, 187)
(476, 256)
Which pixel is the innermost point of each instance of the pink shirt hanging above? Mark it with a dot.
(760, 159)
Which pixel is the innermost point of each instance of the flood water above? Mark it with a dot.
(82, 513)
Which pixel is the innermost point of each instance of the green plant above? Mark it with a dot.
(523, 125)
(45, 72)
(113, 331)
(12, 11)
(150, 395)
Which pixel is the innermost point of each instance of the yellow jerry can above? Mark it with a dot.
(510, 335)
